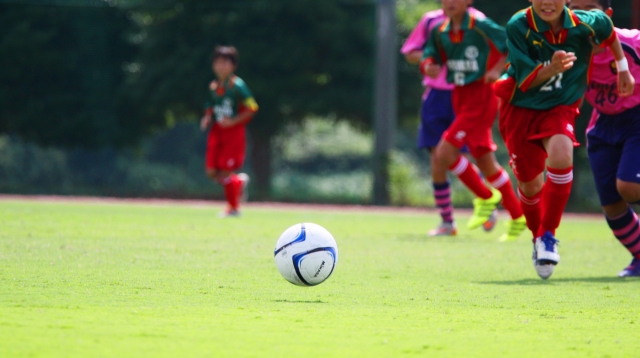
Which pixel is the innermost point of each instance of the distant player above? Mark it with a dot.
(613, 137)
(231, 108)
(473, 50)
(549, 55)
(436, 115)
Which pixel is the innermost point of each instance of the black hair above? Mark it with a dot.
(228, 52)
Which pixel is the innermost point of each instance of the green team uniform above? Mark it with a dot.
(531, 46)
(230, 98)
(468, 54)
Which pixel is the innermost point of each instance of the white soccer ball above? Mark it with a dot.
(306, 254)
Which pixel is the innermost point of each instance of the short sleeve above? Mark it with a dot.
(245, 94)
(600, 25)
(520, 65)
(431, 49)
(496, 34)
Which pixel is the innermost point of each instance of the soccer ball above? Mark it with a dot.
(306, 254)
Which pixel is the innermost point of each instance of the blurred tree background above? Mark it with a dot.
(103, 97)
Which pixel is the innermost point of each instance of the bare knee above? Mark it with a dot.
(616, 209)
(212, 174)
(488, 164)
(446, 154)
(533, 187)
(629, 191)
(560, 151)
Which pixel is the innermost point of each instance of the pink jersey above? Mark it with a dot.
(418, 38)
(602, 92)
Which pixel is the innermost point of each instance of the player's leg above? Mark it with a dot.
(231, 159)
(499, 179)
(487, 200)
(620, 191)
(442, 195)
(559, 181)
(232, 189)
(436, 115)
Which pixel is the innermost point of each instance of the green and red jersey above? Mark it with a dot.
(230, 98)
(532, 43)
(468, 53)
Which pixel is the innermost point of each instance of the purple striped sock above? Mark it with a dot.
(626, 229)
(442, 194)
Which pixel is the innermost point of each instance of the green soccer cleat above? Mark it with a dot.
(515, 227)
(482, 209)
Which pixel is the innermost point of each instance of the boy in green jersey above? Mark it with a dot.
(233, 106)
(548, 65)
(473, 50)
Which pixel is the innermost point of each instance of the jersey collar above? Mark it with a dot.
(538, 25)
(468, 23)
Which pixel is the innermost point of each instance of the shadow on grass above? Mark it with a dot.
(426, 238)
(289, 301)
(553, 281)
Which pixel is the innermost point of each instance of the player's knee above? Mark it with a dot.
(211, 173)
(630, 192)
(531, 188)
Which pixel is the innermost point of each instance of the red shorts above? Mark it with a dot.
(523, 130)
(475, 107)
(225, 148)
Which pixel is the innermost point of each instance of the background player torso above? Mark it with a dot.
(602, 91)
(419, 37)
(468, 54)
(228, 98)
(565, 88)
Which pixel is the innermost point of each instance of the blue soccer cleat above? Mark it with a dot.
(545, 255)
(632, 270)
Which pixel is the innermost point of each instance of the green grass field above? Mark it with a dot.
(118, 279)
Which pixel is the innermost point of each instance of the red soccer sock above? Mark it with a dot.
(554, 198)
(468, 175)
(532, 209)
(502, 182)
(232, 185)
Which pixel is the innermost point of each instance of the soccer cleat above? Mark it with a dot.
(444, 229)
(483, 208)
(244, 193)
(491, 223)
(632, 270)
(515, 227)
(545, 254)
(229, 213)
(547, 249)
(544, 270)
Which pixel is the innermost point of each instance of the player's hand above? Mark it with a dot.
(562, 61)
(431, 69)
(205, 122)
(492, 76)
(227, 122)
(626, 83)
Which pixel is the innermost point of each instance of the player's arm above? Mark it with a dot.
(414, 44)
(247, 110)
(431, 57)
(413, 57)
(528, 72)
(497, 40)
(605, 35)
(560, 62)
(626, 82)
(205, 121)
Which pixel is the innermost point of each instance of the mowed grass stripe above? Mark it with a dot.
(120, 279)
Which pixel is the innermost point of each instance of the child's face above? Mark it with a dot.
(455, 8)
(585, 5)
(549, 10)
(223, 67)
